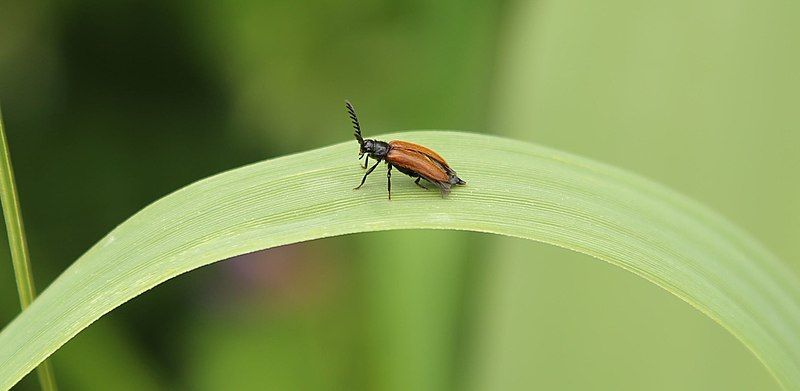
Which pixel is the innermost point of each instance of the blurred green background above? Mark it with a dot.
(110, 105)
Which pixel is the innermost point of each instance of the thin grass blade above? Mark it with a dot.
(20, 257)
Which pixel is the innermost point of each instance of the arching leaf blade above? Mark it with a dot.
(514, 188)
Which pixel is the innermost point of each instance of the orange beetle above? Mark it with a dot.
(411, 159)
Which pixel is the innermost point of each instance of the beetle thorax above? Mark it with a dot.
(376, 149)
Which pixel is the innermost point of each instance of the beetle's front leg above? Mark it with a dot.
(368, 172)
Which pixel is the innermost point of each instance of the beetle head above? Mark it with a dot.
(366, 146)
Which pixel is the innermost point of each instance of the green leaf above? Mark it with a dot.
(514, 188)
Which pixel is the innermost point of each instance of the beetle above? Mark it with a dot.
(411, 159)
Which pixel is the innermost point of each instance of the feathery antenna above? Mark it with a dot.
(354, 118)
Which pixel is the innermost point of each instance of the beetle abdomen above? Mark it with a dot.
(414, 162)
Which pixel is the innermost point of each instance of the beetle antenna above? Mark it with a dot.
(354, 118)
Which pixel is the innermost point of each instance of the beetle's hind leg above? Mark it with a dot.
(419, 184)
(444, 187)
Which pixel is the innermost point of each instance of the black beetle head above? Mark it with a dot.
(368, 146)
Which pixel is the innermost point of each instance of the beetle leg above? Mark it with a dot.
(444, 187)
(389, 180)
(365, 175)
(418, 184)
(366, 162)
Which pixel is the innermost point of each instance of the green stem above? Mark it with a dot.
(19, 245)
